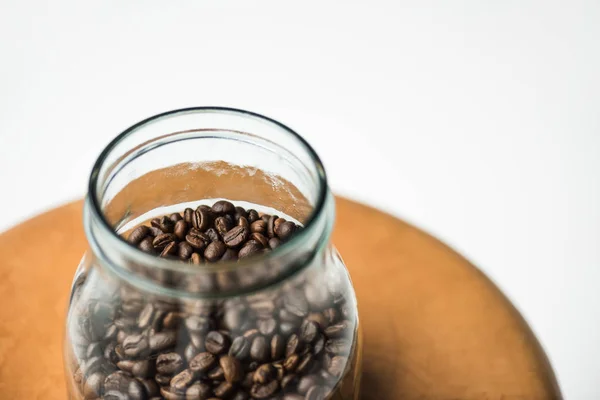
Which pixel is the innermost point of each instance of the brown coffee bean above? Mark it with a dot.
(180, 229)
(222, 225)
(216, 342)
(258, 226)
(331, 315)
(135, 345)
(338, 330)
(196, 259)
(337, 365)
(277, 347)
(264, 391)
(231, 369)
(316, 393)
(163, 223)
(295, 303)
(223, 207)
(240, 395)
(252, 215)
(229, 255)
(306, 382)
(242, 221)
(271, 226)
(251, 247)
(163, 380)
(214, 251)
(216, 374)
(309, 331)
(224, 390)
(146, 245)
(267, 327)
(202, 219)
(94, 385)
(169, 363)
(292, 396)
(293, 345)
(318, 345)
(287, 328)
(260, 238)
(236, 236)
(274, 243)
(197, 239)
(285, 230)
(150, 387)
(291, 363)
(184, 250)
(319, 319)
(240, 348)
(289, 382)
(338, 346)
(161, 241)
(169, 250)
(264, 374)
(188, 216)
(197, 324)
(259, 351)
(163, 340)
(213, 235)
(202, 362)
(250, 334)
(139, 233)
(306, 363)
(169, 393)
(175, 217)
(118, 381)
(198, 391)
(154, 232)
(182, 380)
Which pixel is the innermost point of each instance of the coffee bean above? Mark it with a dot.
(292, 396)
(251, 247)
(285, 230)
(316, 393)
(198, 391)
(169, 363)
(163, 380)
(259, 350)
(260, 238)
(231, 368)
(267, 327)
(115, 395)
(271, 226)
(291, 363)
(216, 374)
(252, 215)
(143, 369)
(202, 219)
(306, 382)
(338, 346)
(239, 395)
(309, 331)
(286, 328)
(289, 382)
(94, 385)
(306, 363)
(216, 342)
(337, 365)
(277, 347)
(222, 225)
(264, 391)
(318, 344)
(164, 224)
(188, 215)
(223, 207)
(135, 345)
(197, 239)
(150, 387)
(214, 251)
(331, 315)
(161, 241)
(295, 303)
(264, 374)
(169, 250)
(170, 393)
(258, 226)
(163, 340)
(240, 348)
(213, 235)
(196, 259)
(146, 245)
(202, 362)
(182, 380)
(154, 232)
(139, 233)
(338, 330)
(136, 391)
(242, 221)
(180, 229)
(190, 352)
(229, 255)
(117, 381)
(224, 390)
(236, 236)
(274, 243)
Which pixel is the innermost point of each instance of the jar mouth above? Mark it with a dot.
(119, 244)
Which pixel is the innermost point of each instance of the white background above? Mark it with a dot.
(476, 120)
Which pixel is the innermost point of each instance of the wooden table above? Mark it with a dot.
(435, 328)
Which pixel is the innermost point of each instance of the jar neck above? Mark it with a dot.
(185, 157)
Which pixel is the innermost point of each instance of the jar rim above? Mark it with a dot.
(94, 201)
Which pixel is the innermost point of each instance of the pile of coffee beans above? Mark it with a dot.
(292, 342)
(222, 232)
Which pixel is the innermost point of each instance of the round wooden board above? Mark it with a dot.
(435, 328)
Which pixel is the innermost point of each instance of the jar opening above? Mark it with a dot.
(195, 154)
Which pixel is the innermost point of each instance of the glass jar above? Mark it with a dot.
(281, 325)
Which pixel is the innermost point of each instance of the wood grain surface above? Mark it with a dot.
(435, 328)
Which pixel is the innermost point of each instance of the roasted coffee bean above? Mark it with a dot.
(338, 346)
(318, 345)
(291, 363)
(287, 328)
(264, 391)
(229, 255)
(306, 382)
(184, 250)
(264, 374)
(169, 250)
(285, 230)
(338, 330)
(216, 374)
(224, 390)
(135, 345)
(170, 393)
(214, 251)
(143, 369)
(242, 221)
(309, 331)
(163, 380)
(222, 225)
(240, 348)
(161, 241)
(223, 207)
(293, 345)
(236, 236)
(197, 239)
(316, 393)
(295, 303)
(306, 363)
(216, 343)
(240, 395)
(258, 226)
(197, 324)
(277, 347)
(163, 223)
(154, 232)
(240, 212)
(196, 259)
(260, 238)
(259, 351)
(337, 365)
(145, 317)
(251, 247)
(175, 217)
(231, 369)
(169, 363)
(150, 387)
(182, 380)
(289, 382)
(274, 243)
(202, 362)
(202, 219)
(213, 235)
(271, 226)
(331, 315)
(136, 390)
(292, 396)
(146, 245)
(118, 381)
(267, 327)
(163, 340)
(252, 215)
(115, 395)
(180, 229)
(94, 385)
(198, 391)
(190, 352)
(188, 216)
(139, 233)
